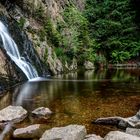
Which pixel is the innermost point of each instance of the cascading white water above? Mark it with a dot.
(13, 52)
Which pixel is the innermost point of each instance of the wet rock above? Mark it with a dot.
(42, 112)
(138, 114)
(13, 113)
(7, 69)
(32, 131)
(93, 137)
(133, 131)
(117, 135)
(70, 132)
(123, 123)
(108, 120)
(119, 121)
(74, 65)
(137, 125)
(88, 65)
(3, 125)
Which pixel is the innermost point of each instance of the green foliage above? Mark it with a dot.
(42, 35)
(21, 22)
(104, 32)
(74, 33)
(39, 14)
(120, 56)
(52, 34)
(111, 24)
(89, 54)
(59, 51)
(46, 54)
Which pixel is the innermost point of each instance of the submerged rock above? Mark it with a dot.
(70, 132)
(42, 112)
(117, 135)
(119, 121)
(108, 120)
(32, 131)
(93, 137)
(13, 114)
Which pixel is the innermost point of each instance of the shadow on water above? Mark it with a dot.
(80, 97)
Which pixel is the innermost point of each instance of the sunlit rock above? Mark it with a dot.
(117, 135)
(13, 113)
(88, 65)
(133, 131)
(74, 65)
(93, 137)
(70, 132)
(42, 112)
(32, 131)
(54, 63)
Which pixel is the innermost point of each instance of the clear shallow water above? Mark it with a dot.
(80, 97)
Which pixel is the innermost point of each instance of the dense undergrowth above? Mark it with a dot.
(112, 24)
(106, 31)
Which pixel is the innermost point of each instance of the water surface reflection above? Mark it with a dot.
(81, 97)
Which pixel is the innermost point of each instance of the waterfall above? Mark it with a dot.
(13, 52)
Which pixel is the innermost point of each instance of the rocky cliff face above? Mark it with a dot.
(31, 17)
(9, 73)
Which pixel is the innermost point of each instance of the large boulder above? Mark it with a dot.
(32, 131)
(133, 131)
(13, 114)
(70, 132)
(117, 135)
(93, 137)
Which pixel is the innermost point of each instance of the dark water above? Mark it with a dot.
(81, 97)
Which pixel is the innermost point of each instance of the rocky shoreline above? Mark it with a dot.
(13, 115)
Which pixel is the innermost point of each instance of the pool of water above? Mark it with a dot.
(81, 97)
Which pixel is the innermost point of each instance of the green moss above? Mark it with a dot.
(46, 54)
(42, 34)
(21, 22)
(39, 14)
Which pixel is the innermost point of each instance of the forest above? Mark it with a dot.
(105, 31)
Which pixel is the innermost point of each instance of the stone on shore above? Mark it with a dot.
(117, 135)
(93, 137)
(32, 131)
(13, 114)
(42, 112)
(70, 132)
(133, 131)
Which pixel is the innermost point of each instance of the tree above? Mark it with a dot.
(111, 24)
